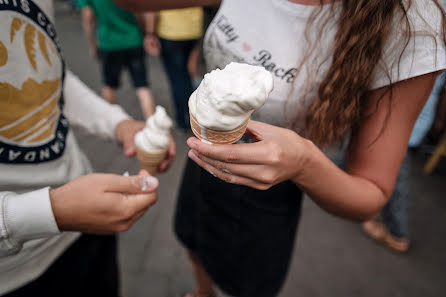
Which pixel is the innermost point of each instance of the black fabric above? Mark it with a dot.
(87, 268)
(114, 62)
(243, 237)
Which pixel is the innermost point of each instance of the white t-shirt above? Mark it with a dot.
(272, 34)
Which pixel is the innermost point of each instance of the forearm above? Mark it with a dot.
(155, 5)
(147, 22)
(150, 22)
(89, 26)
(336, 191)
(86, 109)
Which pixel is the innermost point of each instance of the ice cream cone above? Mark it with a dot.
(150, 160)
(215, 136)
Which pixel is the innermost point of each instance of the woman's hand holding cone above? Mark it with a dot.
(277, 154)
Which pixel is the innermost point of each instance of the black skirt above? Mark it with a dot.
(243, 237)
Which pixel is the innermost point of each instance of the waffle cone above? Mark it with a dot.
(215, 136)
(150, 160)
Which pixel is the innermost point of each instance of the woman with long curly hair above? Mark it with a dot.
(348, 69)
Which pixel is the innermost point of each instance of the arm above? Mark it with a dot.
(138, 5)
(97, 203)
(374, 159)
(89, 26)
(147, 22)
(86, 109)
(151, 42)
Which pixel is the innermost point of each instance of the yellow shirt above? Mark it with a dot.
(180, 24)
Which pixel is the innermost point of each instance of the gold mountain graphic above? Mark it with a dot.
(25, 112)
(29, 114)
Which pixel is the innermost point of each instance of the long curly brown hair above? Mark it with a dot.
(364, 27)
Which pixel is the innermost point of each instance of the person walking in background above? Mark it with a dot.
(176, 32)
(115, 37)
(392, 228)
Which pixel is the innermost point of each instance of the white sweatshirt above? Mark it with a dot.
(37, 148)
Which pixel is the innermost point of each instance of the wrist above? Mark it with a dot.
(56, 195)
(308, 155)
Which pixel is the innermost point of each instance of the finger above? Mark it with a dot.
(137, 216)
(229, 178)
(129, 146)
(141, 202)
(241, 153)
(143, 172)
(254, 130)
(171, 152)
(165, 164)
(252, 171)
(131, 184)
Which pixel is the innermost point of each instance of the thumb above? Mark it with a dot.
(128, 145)
(256, 130)
(131, 184)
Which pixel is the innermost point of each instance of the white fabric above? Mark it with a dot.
(271, 34)
(29, 237)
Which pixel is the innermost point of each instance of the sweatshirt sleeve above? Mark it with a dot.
(24, 217)
(86, 109)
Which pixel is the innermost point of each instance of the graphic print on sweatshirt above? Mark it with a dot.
(32, 127)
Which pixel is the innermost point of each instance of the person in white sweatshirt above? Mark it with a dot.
(46, 197)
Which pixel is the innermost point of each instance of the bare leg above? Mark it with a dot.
(204, 286)
(192, 61)
(146, 100)
(108, 94)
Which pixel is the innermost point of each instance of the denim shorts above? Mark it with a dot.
(113, 62)
(243, 237)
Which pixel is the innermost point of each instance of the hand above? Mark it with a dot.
(171, 152)
(276, 155)
(103, 203)
(152, 45)
(94, 52)
(125, 133)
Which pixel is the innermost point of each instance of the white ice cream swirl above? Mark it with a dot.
(155, 136)
(226, 98)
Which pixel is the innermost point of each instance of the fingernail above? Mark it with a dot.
(191, 154)
(191, 143)
(149, 183)
(126, 174)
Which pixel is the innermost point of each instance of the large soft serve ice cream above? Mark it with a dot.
(155, 135)
(226, 98)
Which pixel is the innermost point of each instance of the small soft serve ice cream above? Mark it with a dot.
(226, 98)
(155, 136)
(152, 142)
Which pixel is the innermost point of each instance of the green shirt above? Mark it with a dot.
(117, 29)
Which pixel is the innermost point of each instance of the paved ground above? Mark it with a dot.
(332, 257)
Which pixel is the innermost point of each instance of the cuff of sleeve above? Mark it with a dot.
(29, 216)
(119, 115)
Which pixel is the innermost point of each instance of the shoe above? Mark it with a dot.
(379, 232)
(400, 245)
(375, 230)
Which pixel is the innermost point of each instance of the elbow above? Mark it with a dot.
(368, 211)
